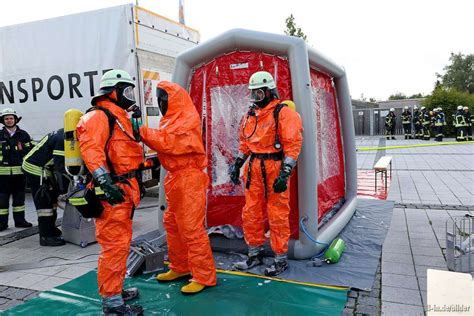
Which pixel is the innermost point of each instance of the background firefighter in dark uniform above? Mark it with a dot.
(425, 122)
(390, 124)
(460, 124)
(439, 123)
(406, 122)
(417, 123)
(272, 154)
(15, 144)
(44, 169)
(468, 117)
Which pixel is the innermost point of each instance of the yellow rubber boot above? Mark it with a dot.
(192, 288)
(170, 276)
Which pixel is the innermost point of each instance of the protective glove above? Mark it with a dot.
(281, 182)
(113, 193)
(235, 170)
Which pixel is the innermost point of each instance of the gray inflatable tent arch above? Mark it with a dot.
(301, 58)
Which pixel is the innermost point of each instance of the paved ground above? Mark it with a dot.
(429, 185)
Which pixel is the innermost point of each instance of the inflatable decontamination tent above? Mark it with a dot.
(323, 189)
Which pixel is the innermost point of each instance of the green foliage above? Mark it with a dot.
(291, 28)
(397, 96)
(416, 96)
(402, 96)
(459, 74)
(449, 99)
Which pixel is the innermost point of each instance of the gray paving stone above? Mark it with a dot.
(425, 251)
(351, 302)
(367, 310)
(49, 283)
(8, 292)
(353, 294)
(396, 242)
(10, 304)
(32, 295)
(50, 271)
(397, 229)
(27, 280)
(422, 283)
(18, 294)
(2, 288)
(401, 281)
(396, 309)
(8, 276)
(397, 234)
(367, 300)
(429, 261)
(73, 272)
(423, 298)
(375, 291)
(433, 243)
(394, 248)
(399, 295)
(397, 257)
(347, 312)
(421, 270)
(398, 268)
(3, 301)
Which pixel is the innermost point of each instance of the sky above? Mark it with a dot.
(385, 46)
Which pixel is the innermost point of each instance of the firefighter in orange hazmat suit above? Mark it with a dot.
(178, 142)
(113, 158)
(271, 134)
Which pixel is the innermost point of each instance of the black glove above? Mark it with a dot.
(235, 170)
(281, 182)
(113, 193)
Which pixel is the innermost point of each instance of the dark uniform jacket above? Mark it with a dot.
(13, 149)
(406, 117)
(47, 156)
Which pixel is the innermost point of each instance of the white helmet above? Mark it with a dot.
(459, 107)
(406, 107)
(440, 109)
(392, 110)
(465, 108)
(423, 108)
(9, 111)
(415, 107)
(261, 79)
(435, 109)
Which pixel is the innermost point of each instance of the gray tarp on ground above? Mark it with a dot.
(364, 236)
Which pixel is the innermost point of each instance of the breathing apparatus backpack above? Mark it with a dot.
(87, 197)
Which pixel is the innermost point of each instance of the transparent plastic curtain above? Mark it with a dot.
(225, 124)
(331, 184)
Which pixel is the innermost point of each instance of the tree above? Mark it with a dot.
(291, 28)
(397, 96)
(459, 74)
(416, 96)
(448, 100)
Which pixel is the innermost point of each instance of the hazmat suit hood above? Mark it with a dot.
(180, 108)
(178, 139)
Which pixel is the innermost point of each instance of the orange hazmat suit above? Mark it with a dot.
(178, 142)
(257, 136)
(114, 226)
